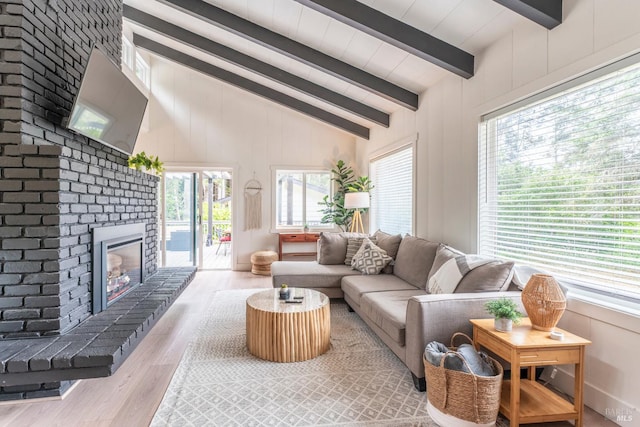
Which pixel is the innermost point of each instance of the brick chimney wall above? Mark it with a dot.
(56, 186)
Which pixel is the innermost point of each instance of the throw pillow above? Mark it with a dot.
(390, 243)
(332, 248)
(445, 280)
(444, 254)
(450, 274)
(493, 276)
(522, 274)
(354, 241)
(414, 259)
(370, 259)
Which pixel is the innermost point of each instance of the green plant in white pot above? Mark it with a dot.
(505, 313)
(150, 164)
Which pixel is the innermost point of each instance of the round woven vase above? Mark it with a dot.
(544, 301)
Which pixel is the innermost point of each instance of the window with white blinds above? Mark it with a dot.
(392, 197)
(559, 181)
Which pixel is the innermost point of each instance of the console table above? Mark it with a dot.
(526, 401)
(303, 240)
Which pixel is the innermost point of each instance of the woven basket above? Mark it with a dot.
(463, 395)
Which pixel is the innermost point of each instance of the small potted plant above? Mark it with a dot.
(285, 292)
(306, 228)
(505, 312)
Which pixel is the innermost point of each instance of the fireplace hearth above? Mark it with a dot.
(118, 259)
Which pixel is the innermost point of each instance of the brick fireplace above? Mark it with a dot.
(52, 199)
(57, 186)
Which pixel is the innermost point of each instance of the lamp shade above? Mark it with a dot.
(356, 200)
(544, 301)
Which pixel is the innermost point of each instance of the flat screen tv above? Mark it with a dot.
(109, 107)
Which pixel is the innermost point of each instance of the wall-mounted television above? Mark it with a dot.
(108, 107)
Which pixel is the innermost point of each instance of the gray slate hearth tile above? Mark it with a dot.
(20, 361)
(7, 351)
(63, 360)
(42, 361)
(97, 356)
(116, 334)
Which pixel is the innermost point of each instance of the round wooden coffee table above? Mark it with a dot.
(285, 332)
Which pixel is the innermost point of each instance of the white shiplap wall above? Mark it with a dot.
(197, 121)
(525, 61)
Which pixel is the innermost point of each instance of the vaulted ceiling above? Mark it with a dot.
(345, 62)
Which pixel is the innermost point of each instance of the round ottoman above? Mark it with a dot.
(261, 262)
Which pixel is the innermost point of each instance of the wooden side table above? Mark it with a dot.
(297, 238)
(526, 401)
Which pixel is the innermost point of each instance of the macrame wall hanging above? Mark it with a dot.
(253, 205)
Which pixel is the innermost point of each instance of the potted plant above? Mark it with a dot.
(284, 292)
(505, 312)
(150, 163)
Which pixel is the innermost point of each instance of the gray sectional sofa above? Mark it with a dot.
(396, 303)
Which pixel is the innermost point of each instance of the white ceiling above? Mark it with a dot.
(471, 25)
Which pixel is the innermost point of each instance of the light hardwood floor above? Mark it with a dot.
(131, 396)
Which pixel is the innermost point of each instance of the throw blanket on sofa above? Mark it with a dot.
(446, 279)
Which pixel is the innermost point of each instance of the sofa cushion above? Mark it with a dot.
(388, 242)
(494, 276)
(370, 259)
(414, 260)
(332, 248)
(356, 286)
(388, 310)
(309, 274)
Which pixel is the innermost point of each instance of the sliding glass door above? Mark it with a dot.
(196, 221)
(217, 233)
(180, 219)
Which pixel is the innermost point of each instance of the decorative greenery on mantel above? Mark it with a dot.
(150, 164)
(346, 182)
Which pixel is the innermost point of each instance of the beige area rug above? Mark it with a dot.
(358, 382)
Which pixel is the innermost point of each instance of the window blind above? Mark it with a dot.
(559, 182)
(392, 197)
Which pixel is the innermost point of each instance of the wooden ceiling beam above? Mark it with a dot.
(547, 13)
(254, 65)
(396, 33)
(250, 86)
(295, 50)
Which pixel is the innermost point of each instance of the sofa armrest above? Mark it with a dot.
(438, 317)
